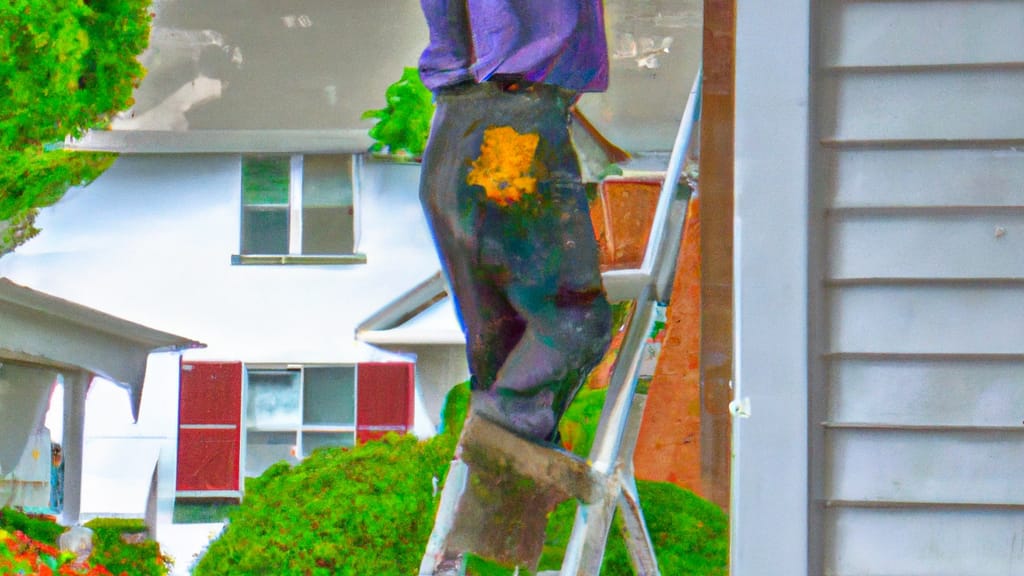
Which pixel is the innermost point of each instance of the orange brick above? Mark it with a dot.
(668, 448)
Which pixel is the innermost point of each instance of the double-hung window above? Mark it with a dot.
(299, 209)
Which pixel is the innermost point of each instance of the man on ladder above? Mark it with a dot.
(502, 192)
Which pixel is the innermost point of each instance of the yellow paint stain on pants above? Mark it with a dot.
(504, 167)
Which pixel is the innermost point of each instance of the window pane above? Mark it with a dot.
(273, 399)
(264, 230)
(328, 217)
(265, 181)
(329, 396)
(313, 440)
(266, 448)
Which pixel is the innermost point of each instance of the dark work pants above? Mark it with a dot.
(524, 272)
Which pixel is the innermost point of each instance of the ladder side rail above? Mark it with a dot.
(634, 528)
(663, 244)
(585, 549)
(454, 485)
(610, 428)
(667, 227)
(608, 436)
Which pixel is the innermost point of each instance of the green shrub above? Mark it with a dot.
(369, 510)
(121, 557)
(109, 549)
(38, 529)
(579, 424)
(690, 536)
(404, 123)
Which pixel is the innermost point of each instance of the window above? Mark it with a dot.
(299, 209)
(291, 412)
(236, 418)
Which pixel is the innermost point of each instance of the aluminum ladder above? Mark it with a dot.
(605, 481)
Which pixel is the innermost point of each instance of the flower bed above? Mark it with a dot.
(28, 546)
(21, 555)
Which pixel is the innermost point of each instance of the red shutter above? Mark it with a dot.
(385, 399)
(209, 426)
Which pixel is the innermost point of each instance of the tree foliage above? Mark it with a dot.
(404, 123)
(65, 66)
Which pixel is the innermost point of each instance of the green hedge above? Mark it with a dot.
(120, 557)
(369, 510)
(37, 529)
(345, 512)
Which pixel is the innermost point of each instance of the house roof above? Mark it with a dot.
(43, 329)
(423, 315)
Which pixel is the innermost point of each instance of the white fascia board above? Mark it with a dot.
(352, 141)
(412, 336)
(770, 489)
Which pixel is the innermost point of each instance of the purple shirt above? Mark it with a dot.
(559, 42)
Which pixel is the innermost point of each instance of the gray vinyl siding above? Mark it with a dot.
(919, 176)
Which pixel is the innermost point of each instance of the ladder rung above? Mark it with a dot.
(623, 285)
(487, 444)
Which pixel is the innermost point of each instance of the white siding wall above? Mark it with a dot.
(151, 240)
(919, 400)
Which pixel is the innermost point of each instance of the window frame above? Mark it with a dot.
(295, 216)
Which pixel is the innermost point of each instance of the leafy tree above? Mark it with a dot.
(65, 66)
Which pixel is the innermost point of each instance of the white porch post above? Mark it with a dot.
(76, 384)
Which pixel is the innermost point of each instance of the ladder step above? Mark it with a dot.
(513, 485)
(492, 447)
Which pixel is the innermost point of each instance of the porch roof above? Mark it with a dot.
(50, 331)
